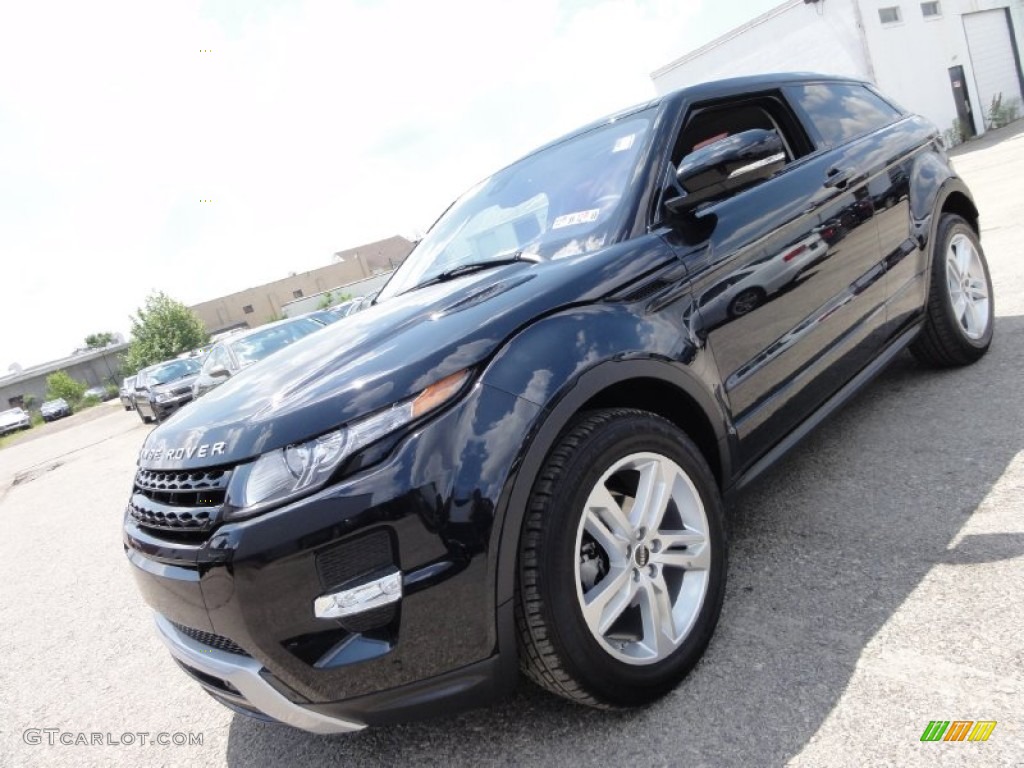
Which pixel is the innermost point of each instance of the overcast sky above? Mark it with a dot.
(309, 127)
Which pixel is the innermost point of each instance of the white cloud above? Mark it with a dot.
(312, 126)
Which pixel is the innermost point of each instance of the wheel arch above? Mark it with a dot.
(659, 387)
(952, 197)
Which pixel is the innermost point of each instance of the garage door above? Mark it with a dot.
(992, 57)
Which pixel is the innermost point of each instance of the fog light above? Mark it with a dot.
(373, 594)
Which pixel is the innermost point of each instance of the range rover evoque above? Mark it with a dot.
(518, 455)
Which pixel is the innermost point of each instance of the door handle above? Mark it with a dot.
(838, 177)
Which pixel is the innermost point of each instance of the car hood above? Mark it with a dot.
(11, 418)
(53, 406)
(382, 355)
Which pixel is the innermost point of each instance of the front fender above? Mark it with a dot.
(563, 362)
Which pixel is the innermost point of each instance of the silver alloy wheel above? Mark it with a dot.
(642, 558)
(968, 289)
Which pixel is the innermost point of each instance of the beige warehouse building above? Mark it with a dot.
(255, 306)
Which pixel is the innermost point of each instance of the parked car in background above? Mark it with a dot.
(55, 409)
(241, 350)
(125, 393)
(163, 388)
(14, 419)
(100, 393)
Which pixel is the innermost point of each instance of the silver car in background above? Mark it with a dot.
(13, 419)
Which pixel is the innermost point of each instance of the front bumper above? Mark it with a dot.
(236, 680)
(161, 410)
(252, 585)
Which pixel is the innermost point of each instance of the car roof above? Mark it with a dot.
(698, 92)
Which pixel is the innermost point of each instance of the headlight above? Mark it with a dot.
(297, 469)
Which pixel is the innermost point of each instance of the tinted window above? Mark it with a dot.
(843, 111)
(176, 369)
(218, 358)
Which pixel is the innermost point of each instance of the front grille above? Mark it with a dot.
(169, 519)
(185, 503)
(180, 488)
(181, 390)
(212, 640)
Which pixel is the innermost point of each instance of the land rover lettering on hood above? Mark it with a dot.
(516, 458)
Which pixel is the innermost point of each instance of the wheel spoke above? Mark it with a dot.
(952, 273)
(964, 252)
(606, 601)
(656, 612)
(604, 505)
(651, 496)
(971, 320)
(959, 307)
(694, 558)
(613, 545)
(680, 539)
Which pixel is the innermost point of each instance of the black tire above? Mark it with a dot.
(943, 341)
(557, 649)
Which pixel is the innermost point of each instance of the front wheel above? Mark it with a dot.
(622, 561)
(960, 313)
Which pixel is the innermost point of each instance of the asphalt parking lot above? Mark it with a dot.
(875, 585)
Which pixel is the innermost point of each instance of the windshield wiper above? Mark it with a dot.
(476, 266)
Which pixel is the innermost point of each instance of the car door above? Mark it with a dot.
(786, 273)
(853, 118)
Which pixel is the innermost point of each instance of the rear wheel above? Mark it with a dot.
(747, 301)
(621, 561)
(960, 313)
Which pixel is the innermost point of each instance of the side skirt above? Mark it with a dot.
(851, 388)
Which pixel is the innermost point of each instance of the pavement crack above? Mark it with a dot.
(28, 475)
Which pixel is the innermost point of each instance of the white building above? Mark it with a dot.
(941, 58)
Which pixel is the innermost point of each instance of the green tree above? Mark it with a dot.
(325, 301)
(99, 340)
(162, 329)
(60, 384)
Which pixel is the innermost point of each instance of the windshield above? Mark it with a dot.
(556, 203)
(176, 369)
(259, 345)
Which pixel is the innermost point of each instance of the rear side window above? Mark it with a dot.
(843, 111)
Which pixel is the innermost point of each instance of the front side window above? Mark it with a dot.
(218, 358)
(556, 203)
(843, 111)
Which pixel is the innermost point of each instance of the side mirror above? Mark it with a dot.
(219, 372)
(727, 166)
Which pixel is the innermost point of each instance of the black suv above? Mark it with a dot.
(517, 455)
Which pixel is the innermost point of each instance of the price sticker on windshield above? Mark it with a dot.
(580, 217)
